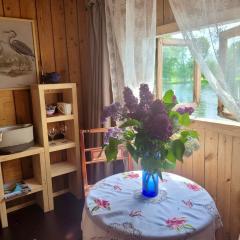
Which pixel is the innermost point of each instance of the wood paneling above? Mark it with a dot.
(11, 8)
(166, 22)
(7, 108)
(59, 37)
(215, 166)
(168, 16)
(160, 6)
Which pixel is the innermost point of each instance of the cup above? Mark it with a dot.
(64, 108)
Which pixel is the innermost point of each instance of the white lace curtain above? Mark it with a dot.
(131, 36)
(211, 29)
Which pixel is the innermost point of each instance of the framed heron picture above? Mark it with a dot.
(18, 55)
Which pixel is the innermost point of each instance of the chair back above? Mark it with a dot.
(96, 155)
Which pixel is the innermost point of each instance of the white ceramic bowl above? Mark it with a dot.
(16, 138)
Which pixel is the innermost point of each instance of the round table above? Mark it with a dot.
(116, 210)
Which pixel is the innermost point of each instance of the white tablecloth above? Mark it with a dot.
(116, 210)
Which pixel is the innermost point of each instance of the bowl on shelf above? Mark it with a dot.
(51, 78)
(50, 110)
(16, 138)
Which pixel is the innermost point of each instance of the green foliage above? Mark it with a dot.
(129, 135)
(130, 123)
(168, 100)
(111, 150)
(178, 149)
(132, 151)
(184, 119)
(168, 97)
(189, 133)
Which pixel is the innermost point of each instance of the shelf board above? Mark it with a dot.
(29, 152)
(33, 185)
(60, 145)
(59, 118)
(56, 86)
(61, 168)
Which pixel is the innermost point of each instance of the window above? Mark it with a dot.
(177, 70)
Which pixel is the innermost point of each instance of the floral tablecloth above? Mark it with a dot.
(116, 210)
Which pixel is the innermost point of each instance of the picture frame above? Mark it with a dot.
(18, 53)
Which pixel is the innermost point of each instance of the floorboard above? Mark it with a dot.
(32, 224)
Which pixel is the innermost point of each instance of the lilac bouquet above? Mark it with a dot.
(152, 130)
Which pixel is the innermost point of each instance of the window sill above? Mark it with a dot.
(223, 125)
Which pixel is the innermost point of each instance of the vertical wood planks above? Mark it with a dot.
(1, 9)
(224, 179)
(7, 108)
(211, 148)
(235, 191)
(59, 37)
(71, 23)
(187, 167)
(72, 40)
(45, 35)
(199, 161)
(168, 16)
(11, 8)
(23, 106)
(160, 12)
(28, 9)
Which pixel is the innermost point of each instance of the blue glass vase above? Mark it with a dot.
(149, 184)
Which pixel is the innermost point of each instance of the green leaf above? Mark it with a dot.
(170, 156)
(133, 152)
(130, 123)
(111, 150)
(174, 114)
(178, 149)
(168, 97)
(184, 119)
(189, 133)
(167, 164)
(129, 135)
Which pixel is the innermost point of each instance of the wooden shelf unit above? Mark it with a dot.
(60, 118)
(37, 184)
(61, 168)
(61, 144)
(43, 94)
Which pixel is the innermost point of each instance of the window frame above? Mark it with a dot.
(223, 38)
(161, 42)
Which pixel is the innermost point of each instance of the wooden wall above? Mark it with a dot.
(216, 167)
(164, 13)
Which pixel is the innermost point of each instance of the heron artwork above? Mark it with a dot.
(18, 46)
(16, 57)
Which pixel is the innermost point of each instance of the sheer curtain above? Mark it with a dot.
(131, 36)
(211, 29)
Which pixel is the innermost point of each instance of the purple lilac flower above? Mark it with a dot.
(160, 127)
(114, 111)
(183, 110)
(146, 97)
(131, 102)
(114, 132)
(157, 107)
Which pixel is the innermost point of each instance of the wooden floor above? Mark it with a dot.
(31, 224)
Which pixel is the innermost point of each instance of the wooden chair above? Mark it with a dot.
(96, 155)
